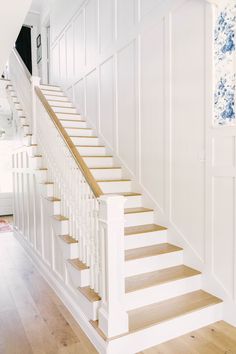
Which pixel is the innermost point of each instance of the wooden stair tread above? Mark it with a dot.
(96, 156)
(76, 263)
(113, 180)
(125, 194)
(72, 120)
(166, 310)
(90, 146)
(68, 113)
(68, 239)
(53, 199)
(147, 280)
(90, 294)
(149, 251)
(150, 315)
(133, 230)
(137, 210)
(85, 136)
(104, 168)
(78, 128)
(60, 218)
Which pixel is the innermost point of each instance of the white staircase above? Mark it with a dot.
(163, 297)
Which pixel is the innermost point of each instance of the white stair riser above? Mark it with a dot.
(18, 106)
(145, 239)
(41, 176)
(133, 202)
(69, 251)
(55, 207)
(33, 150)
(79, 132)
(20, 112)
(115, 187)
(69, 116)
(85, 141)
(23, 121)
(73, 124)
(91, 151)
(49, 87)
(36, 162)
(12, 93)
(47, 190)
(165, 331)
(136, 219)
(64, 109)
(107, 173)
(52, 93)
(57, 99)
(61, 103)
(99, 161)
(162, 292)
(60, 227)
(15, 99)
(150, 264)
(27, 140)
(79, 278)
(26, 129)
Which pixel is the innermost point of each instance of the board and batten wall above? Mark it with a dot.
(141, 72)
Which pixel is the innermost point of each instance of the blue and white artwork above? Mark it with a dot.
(225, 65)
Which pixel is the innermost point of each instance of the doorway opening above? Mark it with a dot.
(23, 46)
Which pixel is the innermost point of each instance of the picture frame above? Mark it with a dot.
(39, 48)
(38, 41)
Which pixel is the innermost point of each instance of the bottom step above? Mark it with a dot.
(154, 324)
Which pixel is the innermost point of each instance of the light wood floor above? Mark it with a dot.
(219, 338)
(34, 321)
(32, 318)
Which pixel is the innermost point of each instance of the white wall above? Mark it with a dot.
(12, 18)
(141, 72)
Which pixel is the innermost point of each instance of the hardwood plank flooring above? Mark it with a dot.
(33, 320)
(218, 338)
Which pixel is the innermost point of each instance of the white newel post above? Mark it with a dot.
(112, 317)
(35, 81)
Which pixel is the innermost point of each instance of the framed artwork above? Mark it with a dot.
(39, 48)
(38, 41)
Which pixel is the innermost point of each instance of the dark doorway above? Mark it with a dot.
(23, 46)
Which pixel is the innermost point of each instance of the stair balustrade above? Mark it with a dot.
(95, 220)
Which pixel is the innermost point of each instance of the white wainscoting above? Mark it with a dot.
(141, 72)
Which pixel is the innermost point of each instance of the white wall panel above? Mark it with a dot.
(224, 231)
(79, 96)
(152, 111)
(187, 178)
(106, 23)
(126, 95)
(91, 110)
(125, 16)
(107, 101)
(79, 44)
(70, 53)
(63, 59)
(56, 63)
(91, 32)
(147, 5)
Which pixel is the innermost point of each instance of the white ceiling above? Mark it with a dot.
(36, 5)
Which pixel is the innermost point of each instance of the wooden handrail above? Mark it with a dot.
(69, 143)
(22, 64)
